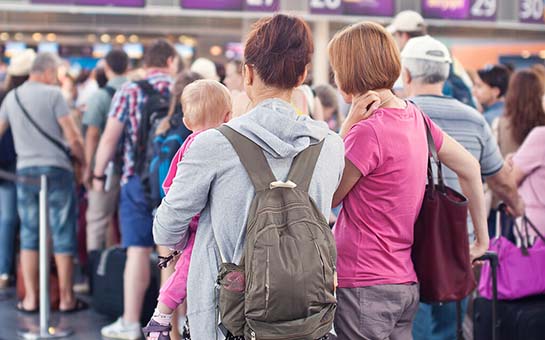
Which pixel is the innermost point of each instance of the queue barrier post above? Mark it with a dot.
(45, 331)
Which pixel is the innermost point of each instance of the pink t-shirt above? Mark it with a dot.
(174, 291)
(530, 158)
(374, 231)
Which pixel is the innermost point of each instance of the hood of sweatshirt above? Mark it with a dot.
(275, 126)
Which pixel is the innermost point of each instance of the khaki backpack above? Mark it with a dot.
(284, 286)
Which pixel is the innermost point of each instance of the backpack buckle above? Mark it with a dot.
(280, 184)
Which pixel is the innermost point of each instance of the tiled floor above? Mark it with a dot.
(85, 325)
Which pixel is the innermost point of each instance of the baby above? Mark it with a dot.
(206, 105)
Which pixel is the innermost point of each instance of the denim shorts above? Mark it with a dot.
(135, 215)
(62, 209)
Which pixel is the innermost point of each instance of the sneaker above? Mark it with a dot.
(122, 330)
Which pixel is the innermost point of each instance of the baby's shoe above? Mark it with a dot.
(156, 331)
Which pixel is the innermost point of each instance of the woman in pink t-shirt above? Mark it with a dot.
(383, 186)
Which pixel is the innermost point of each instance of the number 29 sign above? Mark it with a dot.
(460, 9)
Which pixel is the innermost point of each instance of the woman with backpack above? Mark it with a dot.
(251, 158)
(382, 188)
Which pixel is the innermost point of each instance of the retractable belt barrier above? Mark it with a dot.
(44, 330)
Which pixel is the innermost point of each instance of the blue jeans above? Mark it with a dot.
(8, 225)
(61, 196)
(437, 322)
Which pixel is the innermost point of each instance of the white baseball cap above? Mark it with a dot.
(426, 48)
(407, 21)
(206, 68)
(21, 63)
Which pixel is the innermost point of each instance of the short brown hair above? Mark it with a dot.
(206, 101)
(158, 53)
(364, 57)
(279, 48)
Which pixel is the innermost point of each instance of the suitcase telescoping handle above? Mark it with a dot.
(492, 257)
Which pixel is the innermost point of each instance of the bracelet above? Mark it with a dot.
(99, 178)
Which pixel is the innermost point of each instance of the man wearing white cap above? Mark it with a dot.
(426, 63)
(407, 25)
(410, 24)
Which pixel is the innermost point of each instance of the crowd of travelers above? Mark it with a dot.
(311, 191)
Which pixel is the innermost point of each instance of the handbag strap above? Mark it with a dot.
(47, 136)
(534, 228)
(432, 150)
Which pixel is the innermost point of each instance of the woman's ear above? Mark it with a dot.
(248, 75)
(302, 78)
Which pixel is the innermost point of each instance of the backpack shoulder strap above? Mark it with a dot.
(303, 165)
(252, 157)
(146, 87)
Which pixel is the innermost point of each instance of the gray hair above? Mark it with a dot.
(45, 61)
(427, 71)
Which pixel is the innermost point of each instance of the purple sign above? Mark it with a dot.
(127, 3)
(460, 9)
(233, 5)
(353, 7)
(532, 11)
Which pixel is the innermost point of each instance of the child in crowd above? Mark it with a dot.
(206, 105)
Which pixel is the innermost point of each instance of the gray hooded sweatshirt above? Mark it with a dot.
(212, 181)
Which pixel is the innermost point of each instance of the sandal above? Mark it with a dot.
(22, 309)
(79, 306)
(155, 327)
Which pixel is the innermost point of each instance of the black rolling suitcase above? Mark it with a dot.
(522, 319)
(107, 268)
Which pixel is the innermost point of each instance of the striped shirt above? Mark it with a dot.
(127, 106)
(469, 128)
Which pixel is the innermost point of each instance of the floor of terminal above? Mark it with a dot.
(86, 325)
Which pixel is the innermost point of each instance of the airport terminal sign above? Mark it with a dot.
(126, 3)
(460, 9)
(532, 11)
(233, 5)
(385, 8)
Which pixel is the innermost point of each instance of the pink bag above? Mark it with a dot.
(521, 270)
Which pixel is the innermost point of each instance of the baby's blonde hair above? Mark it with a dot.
(206, 102)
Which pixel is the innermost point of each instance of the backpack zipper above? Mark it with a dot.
(267, 282)
(321, 260)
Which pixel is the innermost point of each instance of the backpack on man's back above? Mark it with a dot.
(155, 152)
(284, 286)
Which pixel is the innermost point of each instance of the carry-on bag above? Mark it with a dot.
(107, 268)
(518, 274)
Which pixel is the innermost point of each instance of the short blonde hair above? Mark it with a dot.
(205, 101)
(364, 57)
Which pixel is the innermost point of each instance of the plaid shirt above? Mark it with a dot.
(127, 105)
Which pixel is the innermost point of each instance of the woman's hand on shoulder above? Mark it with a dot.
(363, 106)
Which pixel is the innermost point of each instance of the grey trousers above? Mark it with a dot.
(377, 312)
